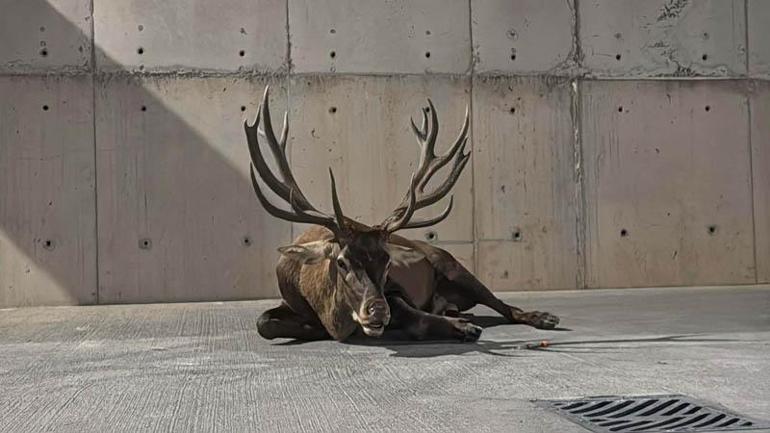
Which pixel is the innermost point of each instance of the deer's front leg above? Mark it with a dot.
(425, 326)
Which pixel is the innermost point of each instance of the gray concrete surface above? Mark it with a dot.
(202, 367)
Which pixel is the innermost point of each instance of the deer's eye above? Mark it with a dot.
(342, 264)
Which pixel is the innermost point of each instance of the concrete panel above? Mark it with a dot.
(373, 36)
(359, 126)
(667, 184)
(760, 147)
(523, 37)
(178, 219)
(47, 207)
(524, 181)
(45, 34)
(229, 35)
(759, 38)
(663, 37)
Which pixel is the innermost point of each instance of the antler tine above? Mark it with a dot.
(399, 223)
(439, 162)
(288, 190)
(298, 217)
(336, 201)
(428, 166)
(427, 222)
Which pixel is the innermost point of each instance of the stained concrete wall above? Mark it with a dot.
(616, 143)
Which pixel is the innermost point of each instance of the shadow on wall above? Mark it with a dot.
(163, 160)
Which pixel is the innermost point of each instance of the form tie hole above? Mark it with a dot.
(707, 108)
(712, 229)
(618, 57)
(427, 54)
(144, 108)
(332, 31)
(145, 244)
(243, 108)
(332, 110)
(48, 244)
(140, 51)
(705, 57)
(623, 233)
(516, 235)
(45, 107)
(620, 109)
(241, 53)
(512, 110)
(431, 235)
(332, 54)
(140, 27)
(513, 57)
(44, 52)
(246, 241)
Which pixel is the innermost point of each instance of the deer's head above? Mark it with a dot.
(358, 256)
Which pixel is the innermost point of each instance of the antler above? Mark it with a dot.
(302, 211)
(416, 198)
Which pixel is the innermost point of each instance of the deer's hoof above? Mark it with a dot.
(543, 320)
(466, 331)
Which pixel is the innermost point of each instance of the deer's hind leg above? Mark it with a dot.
(283, 322)
(462, 289)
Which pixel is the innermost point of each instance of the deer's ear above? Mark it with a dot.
(403, 256)
(311, 253)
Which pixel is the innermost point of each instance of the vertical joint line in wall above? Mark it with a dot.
(289, 66)
(474, 236)
(746, 34)
(576, 47)
(93, 125)
(577, 150)
(751, 190)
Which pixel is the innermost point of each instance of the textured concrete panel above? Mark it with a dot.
(359, 126)
(462, 252)
(759, 38)
(663, 37)
(45, 34)
(375, 36)
(667, 184)
(525, 37)
(47, 207)
(228, 35)
(178, 219)
(760, 147)
(524, 182)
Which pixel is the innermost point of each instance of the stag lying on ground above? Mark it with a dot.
(341, 274)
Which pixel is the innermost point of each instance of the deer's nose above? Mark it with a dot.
(377, 307)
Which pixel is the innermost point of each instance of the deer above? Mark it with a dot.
(342, 277)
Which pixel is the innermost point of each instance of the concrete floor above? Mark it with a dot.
(202, 367)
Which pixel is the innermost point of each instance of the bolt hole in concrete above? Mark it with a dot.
(140, 51)
(48, 244)
(140, 27)
(45, 107)
(44, 52)
(513, 56)
(145, 244)
(427, 54)
(618, 57)
(512, 110)
(332, 110)
(144, 108)
(623, 233)
(516, 235)
(707, 108)
(246, 241)
(620, 109)
(332, 31)
(243, 108)
(241, 53)
(42, 28)
(705, 57)
(332, 54)
(431, 235)
(712, 229)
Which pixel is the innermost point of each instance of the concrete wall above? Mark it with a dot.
(616, 143)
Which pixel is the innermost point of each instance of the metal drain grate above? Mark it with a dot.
(648, 414)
